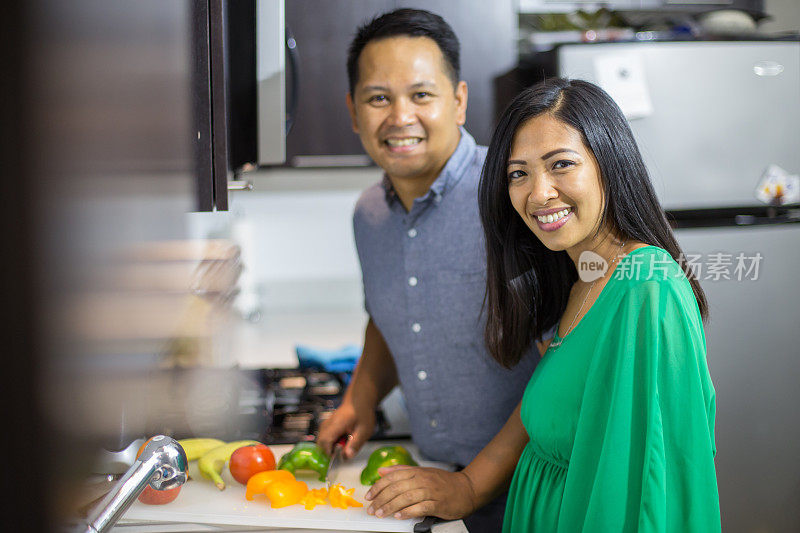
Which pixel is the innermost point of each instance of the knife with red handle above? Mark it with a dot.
(336, 458)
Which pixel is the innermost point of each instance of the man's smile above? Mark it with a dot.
(407, 141)
(402, 144)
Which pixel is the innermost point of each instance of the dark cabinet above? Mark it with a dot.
(752, 6)
(320, 124)
(321, 134)
(237, 92)
(545, 6)
(208, 105)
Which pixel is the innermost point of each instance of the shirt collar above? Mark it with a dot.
(450, 175)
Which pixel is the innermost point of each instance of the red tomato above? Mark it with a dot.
(151, 496)
(250, 460)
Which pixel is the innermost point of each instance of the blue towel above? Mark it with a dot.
(342, 360)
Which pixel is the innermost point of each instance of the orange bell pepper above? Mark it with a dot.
(285, 493)
(282, 489)
(258, 483)
(313, 498)
(342, 498)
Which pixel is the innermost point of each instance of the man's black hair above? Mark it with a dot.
(412, 23)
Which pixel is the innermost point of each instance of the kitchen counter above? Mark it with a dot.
(454, 526)
(201, 507)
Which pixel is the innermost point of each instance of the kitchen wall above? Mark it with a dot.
(785, 15)
(302, 281)
(296, 229)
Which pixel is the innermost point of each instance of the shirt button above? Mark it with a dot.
(412, 232)
(415, 327)
(412, 281)
(434, 423)
(422, 375)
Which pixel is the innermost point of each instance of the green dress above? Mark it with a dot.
(621, 415)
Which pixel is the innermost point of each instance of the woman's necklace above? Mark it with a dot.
(556, 343)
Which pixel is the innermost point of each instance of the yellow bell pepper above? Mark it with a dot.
(258, 483)
(282, 489)
(285, 493)
(342, 498)
(313, 498)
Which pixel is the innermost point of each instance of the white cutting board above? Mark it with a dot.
(201, 502)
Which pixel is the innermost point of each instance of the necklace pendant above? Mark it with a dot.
(555, 343)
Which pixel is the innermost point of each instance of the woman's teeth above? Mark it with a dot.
(403, 142)
(547, 219)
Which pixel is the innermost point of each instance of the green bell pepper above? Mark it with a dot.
(386, 456)
(305, 456)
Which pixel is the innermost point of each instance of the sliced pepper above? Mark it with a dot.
(258, 483)
(305, 456)
(313, 498)
(341, 497)
(285, 493)
(382, 457)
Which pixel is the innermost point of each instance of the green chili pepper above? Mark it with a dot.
(305, 456)
(386, 456)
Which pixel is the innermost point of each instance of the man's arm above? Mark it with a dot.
(373, 378)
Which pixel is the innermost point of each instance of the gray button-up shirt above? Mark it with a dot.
(424, 275)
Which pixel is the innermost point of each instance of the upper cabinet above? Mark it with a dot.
(547, 6)
(238, 86)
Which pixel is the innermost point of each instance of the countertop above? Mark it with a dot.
(200, 500)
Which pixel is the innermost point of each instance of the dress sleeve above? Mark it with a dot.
(643, 456)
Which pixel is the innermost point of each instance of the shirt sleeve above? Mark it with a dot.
(643, 456)
(357, 230)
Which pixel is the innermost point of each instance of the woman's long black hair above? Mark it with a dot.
(527, 284)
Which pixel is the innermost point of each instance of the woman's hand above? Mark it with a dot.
(410, 492)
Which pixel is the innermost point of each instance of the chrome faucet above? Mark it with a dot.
(162, 465)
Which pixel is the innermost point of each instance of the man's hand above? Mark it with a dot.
(410, 492)
(373, 378)
(346, 420)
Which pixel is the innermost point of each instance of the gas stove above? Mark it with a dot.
(291, 404)
(273, 406)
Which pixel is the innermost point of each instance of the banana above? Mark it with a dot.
(196, 448)
(212, 462)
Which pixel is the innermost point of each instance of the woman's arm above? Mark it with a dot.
(491, 471)
(408, 492)
(642, 459)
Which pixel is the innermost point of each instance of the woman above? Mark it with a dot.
(615, 431)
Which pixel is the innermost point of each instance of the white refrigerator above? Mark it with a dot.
(710, 118)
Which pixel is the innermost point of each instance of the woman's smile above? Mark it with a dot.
(553, 220)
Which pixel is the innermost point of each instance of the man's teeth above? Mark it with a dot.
(546, 219)
(403, 142)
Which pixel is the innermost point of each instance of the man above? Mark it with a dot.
(421, 248)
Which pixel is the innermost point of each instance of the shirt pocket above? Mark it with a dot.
(459, 299)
